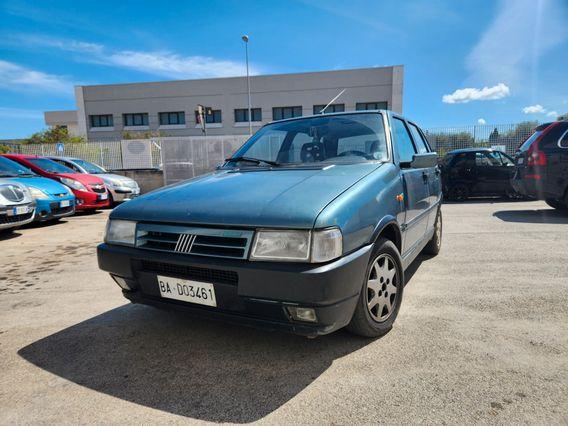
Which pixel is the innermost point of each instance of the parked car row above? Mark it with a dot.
(538, 171)
(42, 188)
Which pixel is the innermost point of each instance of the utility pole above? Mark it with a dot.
(246, 40)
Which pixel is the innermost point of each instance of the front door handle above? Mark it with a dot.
(424, 177)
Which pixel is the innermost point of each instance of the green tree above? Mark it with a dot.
(54, 134)
(563, 117)
(4, 149)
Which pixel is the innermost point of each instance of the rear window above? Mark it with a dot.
(538, 131)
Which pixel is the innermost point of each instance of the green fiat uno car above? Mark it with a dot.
(308, 228)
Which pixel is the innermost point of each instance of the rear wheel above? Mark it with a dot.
(381, 295)
(556, 204)
(435, 244)
(459, 193)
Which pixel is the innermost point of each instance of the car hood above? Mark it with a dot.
(116, 179)
(48, 186)
(285, 197)
(84, 178)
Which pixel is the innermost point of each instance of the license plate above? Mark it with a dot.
(103, 196)
(65, 203)
(18, 210)
(187, 290)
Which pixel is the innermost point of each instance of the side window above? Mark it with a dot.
(563, 141)
(487, 159)
(418, 139)
(506, 160)
(403, 142)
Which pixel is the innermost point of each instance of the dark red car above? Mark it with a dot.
(90, 190)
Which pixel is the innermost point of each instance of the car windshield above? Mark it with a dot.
(326, 139)
(89, 167)
(9, 168)
(50, 165)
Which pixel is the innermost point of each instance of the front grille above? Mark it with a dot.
(4, 219)
(12, 193)
(233, 244)
(56, 210)
(192, 272)
(98, 188)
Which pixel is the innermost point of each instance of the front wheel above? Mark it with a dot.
(381, 295)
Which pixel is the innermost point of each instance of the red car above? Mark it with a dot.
(90, 191)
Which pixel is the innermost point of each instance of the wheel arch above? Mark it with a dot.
(388, 228)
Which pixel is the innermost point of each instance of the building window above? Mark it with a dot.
(363, 106)
(137, 119)
(213, 116)
(101, 120)
(329, 109)
(241, 115)
(167, 118)
(280, 113)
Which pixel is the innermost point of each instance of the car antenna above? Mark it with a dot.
(332, 101)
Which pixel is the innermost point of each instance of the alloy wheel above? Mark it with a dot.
(382, 288)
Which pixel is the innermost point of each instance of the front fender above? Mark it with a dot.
(365, 208)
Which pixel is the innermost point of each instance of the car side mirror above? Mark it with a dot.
(421, 161)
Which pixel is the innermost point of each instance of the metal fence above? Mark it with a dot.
(186, 157)
(505, 137)
(112, 155)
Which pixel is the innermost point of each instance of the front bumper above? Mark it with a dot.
(90, 200)
(11, 221)
(49, 209)
(253, 293)
(120, 194)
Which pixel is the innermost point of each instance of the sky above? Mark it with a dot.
(467, 62)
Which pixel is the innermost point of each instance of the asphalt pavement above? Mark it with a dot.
(482, 337)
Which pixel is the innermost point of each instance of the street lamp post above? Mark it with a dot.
(246, 40)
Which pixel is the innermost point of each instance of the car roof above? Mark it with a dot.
(331, 114)
(23, 155)
(462, 150)
(62, 157)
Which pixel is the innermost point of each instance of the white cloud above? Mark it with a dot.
(161, 63)
(462, 96)
(481, 121)
(17, 77)
(552, 114)
(175, 66)
(534, 109)
(521, 32)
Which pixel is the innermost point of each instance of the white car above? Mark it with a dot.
(121, 188)
(17, 206)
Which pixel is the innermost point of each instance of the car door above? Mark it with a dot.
(415, 182)
(433, 173)
(488, 167)
(507, 171)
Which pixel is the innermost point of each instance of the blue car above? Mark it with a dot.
(53, 200)
(309, 227)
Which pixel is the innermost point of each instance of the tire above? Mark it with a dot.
(459, 193)
(556, 204)
(379, 319)
(435, 244)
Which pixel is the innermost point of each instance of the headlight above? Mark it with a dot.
(72, 183)
(120, 232)
(298, 246)
(281, 245)
(37, 193)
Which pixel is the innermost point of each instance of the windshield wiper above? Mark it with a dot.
(253, 160)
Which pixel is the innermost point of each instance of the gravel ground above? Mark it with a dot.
(482, 337)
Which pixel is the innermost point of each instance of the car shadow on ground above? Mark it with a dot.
(200, 369)
(47, 223)
(550, 216)
(9, 234)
